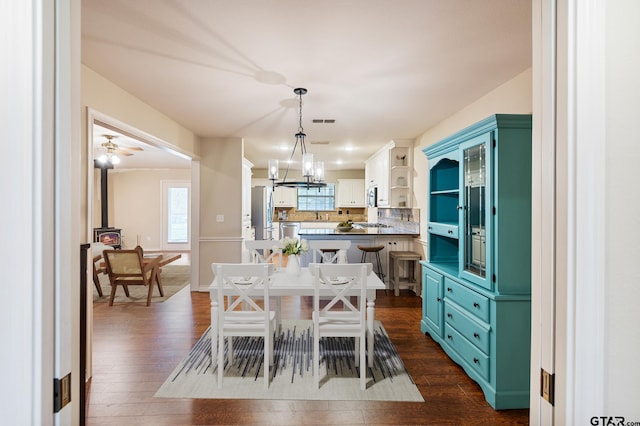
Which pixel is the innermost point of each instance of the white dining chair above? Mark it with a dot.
(329, 251)
(333, 321)
(242, 315)
(264, 251)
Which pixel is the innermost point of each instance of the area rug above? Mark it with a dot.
(174, 278)
(292, 373)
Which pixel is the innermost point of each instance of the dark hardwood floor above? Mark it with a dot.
(136, 347)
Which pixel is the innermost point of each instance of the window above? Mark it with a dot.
(317, 199)
(178, 215)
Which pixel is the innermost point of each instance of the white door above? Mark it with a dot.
(176, 215)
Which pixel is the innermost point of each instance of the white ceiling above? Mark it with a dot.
(383, 69)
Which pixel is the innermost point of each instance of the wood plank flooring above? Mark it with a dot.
(136, 347)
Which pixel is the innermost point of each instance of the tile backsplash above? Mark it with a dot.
(338, 215)
(405, 219)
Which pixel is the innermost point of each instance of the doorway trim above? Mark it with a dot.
(97, 117)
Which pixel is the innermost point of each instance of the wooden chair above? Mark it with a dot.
(338, 279)
(329, 251)
(128, 267)
(238, 284)
(97, 270)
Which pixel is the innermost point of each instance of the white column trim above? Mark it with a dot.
(585, 381)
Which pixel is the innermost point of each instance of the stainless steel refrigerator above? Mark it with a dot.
(262, 212)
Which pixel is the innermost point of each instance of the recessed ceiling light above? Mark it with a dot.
(339, 162)
(348, 148)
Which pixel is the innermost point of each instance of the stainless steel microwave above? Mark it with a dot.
(372, 197)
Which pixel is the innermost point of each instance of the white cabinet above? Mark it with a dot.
(248, 232)
(400, 177)
(391, 171)
(382, 178)
(369, 178)
(285, 197)
(246, 191)
(351, 193)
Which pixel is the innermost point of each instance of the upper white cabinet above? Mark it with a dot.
(400, 177)
(351, 193)
(246, 190)
(382, 178)
(285, 197)
(390, 170)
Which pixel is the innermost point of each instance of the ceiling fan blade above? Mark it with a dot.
(131, 148)
(123, 153)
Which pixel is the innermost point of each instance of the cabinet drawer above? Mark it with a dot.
(443, 229)
(471, 301)
(475, 332)
(469, 353)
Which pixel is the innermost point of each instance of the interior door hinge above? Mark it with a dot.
(494, 143)
(61, 392)
(493, 278)
(494, 210)
(547, 385)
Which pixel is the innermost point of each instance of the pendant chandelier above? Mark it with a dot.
(312, 172)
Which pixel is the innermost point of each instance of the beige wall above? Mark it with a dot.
(512, 97)
(220, 194)
(107, 98)
(135, 203)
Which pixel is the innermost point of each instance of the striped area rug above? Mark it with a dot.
(291, 375)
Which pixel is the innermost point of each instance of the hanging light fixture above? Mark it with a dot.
(109, 159)
(312, 172)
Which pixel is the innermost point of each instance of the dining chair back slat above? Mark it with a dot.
(337, 255)
(264, 251)
(241, 313)
(350, 321)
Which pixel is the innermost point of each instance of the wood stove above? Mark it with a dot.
(106, 234)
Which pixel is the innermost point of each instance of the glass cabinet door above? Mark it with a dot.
(475, 201)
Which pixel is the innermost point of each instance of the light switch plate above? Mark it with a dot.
(220, 218)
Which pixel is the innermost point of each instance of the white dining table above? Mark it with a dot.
(284, 284)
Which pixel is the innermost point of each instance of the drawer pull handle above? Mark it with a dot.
(476, 361)
(476, 335)
(476, 305)
(449, 337)
(449, 231)
(439, 300)
(449, 289)
(449, 315)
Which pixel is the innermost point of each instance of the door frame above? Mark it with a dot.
(94, 116)
(568, 221)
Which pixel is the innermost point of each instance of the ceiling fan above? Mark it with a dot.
(113, 150)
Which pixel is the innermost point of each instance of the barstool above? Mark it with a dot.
(376, 250)
(413, 278)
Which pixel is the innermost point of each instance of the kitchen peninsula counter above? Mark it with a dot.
(355, 232)
(391, 238)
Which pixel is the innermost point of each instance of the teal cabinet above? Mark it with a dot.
(432, 299)
(477, 275)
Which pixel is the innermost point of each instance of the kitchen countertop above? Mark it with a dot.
(307, 232)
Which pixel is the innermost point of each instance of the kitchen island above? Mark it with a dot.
(393, 239)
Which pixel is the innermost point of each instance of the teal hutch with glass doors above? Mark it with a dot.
(477, 275)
